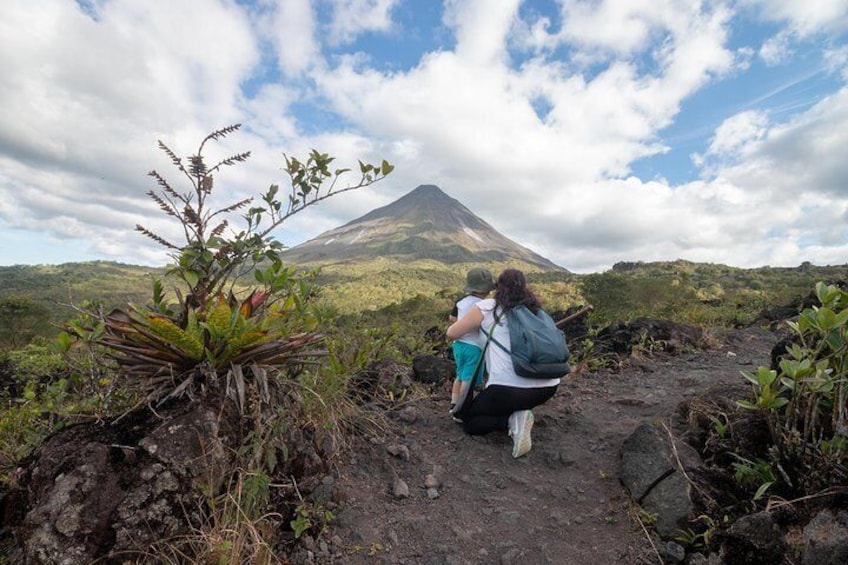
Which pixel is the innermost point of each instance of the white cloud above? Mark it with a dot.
(837, 61)
(801, 156)
(733, 138)
(623, 27)
(776, 49)
(481, 28)
(475, 122)
(805, 17)
(776, 196)
(353, 17)
(291, 29)
(84, 97)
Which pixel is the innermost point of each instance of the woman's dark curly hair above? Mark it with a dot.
(512, 291)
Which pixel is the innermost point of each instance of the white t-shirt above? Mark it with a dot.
(462, 308)
(498, 361)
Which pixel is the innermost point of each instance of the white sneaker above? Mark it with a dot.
(453, 416)
(520, 425)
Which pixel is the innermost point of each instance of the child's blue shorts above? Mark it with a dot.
(466, 357)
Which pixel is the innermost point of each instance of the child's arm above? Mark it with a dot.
(453, 314)
(471, 321)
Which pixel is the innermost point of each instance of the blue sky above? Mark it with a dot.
(590, 131)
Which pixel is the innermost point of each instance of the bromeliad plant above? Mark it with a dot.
(167, 357)
(805, 400)
(212, 331)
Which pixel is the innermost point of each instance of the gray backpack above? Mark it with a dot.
(537, 345)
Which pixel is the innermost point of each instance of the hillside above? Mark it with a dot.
(59, 287)
(683, 290)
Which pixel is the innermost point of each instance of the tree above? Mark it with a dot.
(21, 319)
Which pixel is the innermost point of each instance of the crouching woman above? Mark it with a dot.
(506, 402)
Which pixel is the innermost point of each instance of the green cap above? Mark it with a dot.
(479, 280)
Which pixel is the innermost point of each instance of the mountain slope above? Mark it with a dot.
(425, 224)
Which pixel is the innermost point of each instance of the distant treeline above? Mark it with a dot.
(701, 293)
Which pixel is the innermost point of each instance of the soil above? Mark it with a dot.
(561, 504)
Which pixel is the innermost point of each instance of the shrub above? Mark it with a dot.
(21, 319)
(805, 400)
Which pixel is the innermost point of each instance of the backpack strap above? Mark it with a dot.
(490, 335)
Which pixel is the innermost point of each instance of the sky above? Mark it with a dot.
(591, 131)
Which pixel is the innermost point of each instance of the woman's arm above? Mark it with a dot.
(469, 322)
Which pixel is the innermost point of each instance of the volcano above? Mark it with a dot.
(424, 224)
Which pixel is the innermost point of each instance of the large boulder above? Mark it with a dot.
(431, 369)
(660, 335)
(381, 382)
(754, 539)
(826, 539)
(653, 469)
(103, 492)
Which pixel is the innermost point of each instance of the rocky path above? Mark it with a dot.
(561, 504)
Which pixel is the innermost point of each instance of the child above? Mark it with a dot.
(467, 349)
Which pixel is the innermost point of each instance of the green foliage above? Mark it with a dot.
(51, 384)
(721, 426)
(263, 447)
(804, 400)
(352, 287)
(40, 392)
(696, 293)
(617, 296)
(329, 400)
(21, 319)
(712, 295)
(23, 426)
(222, 334)
(214, 335)
(36, 362)
(218, 341)
(756, 475)
(585, 357)
(370, 286)
(237, 528)
(701, 536)
(557, 291)
(310, 516)
(210, 259)
(767, 390)
(58, 287)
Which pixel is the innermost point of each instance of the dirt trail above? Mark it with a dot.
(561, 504)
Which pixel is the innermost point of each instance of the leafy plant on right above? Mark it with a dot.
(804, 402)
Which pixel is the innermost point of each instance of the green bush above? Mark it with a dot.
(21, 320)
(37, 361)
(619, 297)
(805, 400)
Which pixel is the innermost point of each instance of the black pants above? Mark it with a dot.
(489, 411)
